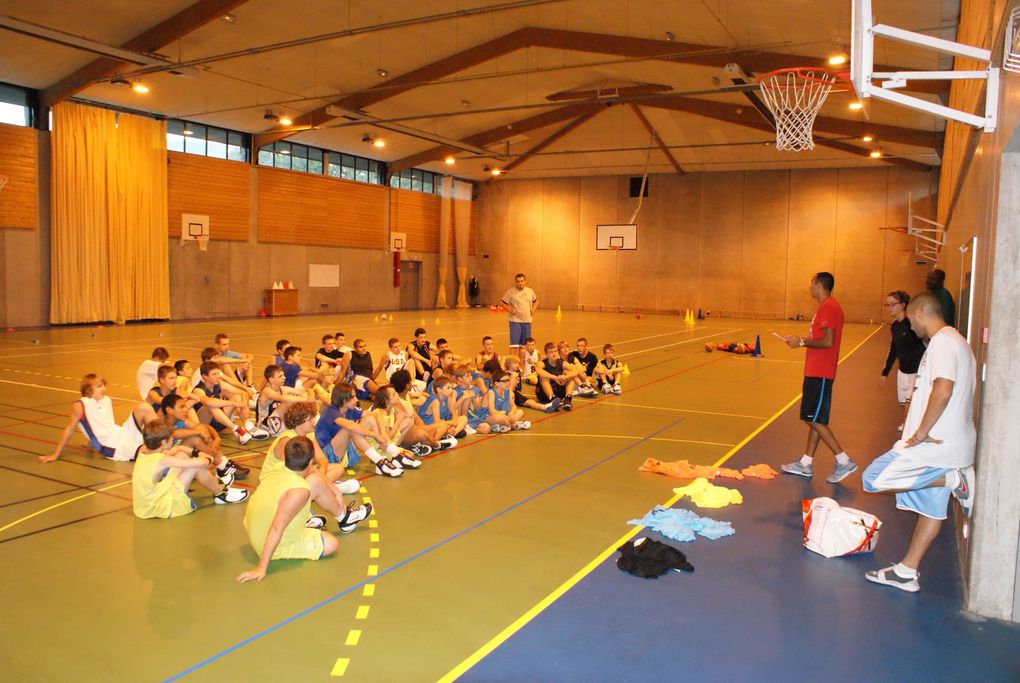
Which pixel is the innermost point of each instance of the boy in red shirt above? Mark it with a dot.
(820, 361)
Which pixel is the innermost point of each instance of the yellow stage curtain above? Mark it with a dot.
(109, 249)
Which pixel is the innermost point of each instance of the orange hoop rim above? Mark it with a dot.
(840, 78)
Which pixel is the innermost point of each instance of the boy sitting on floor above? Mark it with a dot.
(529, 357)
(216, 403)
(503, 414)
(553, 380)
(189, 432)
(513, 367)
(340, 425)
(363, 373)
(438, 408)
(487, 353)
(238, 364)
(587, 362)
(146, 375)
(272, 401)
(293, 371)
(279, 517)
(163, 472)
(609, 371)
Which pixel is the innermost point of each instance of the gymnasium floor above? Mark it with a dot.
(463, 554)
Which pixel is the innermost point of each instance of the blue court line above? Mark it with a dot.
(418, 554)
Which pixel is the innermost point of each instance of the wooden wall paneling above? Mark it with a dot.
(859, 243)
(19, 199)
(678, 249)
(560, 232)
(300, 208)
(210, 187)
(722, 207)
(417, 215)
(812, 235)
(766, 235)
(597, 270)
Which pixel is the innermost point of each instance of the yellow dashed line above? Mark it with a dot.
(373, 570)
(353, 636)
(362, 490)
(369, 590)
(373, 553)
(374, 538)
(366, 500)
(373, 524)
(340, 668)
(362, 612)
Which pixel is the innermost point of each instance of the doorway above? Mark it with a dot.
(410, 285)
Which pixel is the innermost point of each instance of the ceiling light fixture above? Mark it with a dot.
(450, 160)
(285, 120)
(876, 154)
(229, 18)
(837, 60)
(188, 131)
(495, 171)
(372, 140)
(856, 106)
(670, 37)
(383, 73)
(867, 138)
(139, 87)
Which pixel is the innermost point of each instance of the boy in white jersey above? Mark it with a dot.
(609, 371)
(146, 375)
(273, 400)
(93, 415)
(529, 360)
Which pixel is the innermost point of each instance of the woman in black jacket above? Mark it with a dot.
(905, 347)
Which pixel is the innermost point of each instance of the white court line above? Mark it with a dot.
(686, 341)
(69, 391)
(633, 438)
(679, 410)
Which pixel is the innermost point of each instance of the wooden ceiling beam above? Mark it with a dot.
(151, 40)
(558, 135)
(499, 133)
(609, 93)
(725, 111)
(658, 140)
(728, 114)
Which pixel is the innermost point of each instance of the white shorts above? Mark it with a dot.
(360, 381)
(904, 386)
(911, 480)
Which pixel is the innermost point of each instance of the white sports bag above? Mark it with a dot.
(834, 531)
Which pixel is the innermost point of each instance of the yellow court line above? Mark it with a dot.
(608, 404)
(519, 623)
(56, 505)
(67, 391)
(340, 668)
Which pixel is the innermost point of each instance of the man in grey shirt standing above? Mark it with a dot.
(521, 302)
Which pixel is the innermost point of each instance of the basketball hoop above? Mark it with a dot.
(794, 97)
(203, 243)
(3, 181)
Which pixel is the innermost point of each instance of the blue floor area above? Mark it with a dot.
(759, 607)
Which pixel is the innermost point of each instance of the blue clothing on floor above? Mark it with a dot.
(681, 525)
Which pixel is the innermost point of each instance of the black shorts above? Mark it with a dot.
(559, 391)
(519, 399)
(817, 400)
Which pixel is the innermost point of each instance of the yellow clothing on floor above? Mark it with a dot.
(163, 499)
(297, 542)
(707, 495)
(271, 463)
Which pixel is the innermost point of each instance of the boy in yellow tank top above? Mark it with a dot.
(279, 517)
(163, 472)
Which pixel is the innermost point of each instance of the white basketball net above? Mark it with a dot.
(3, 181)
(794, 98)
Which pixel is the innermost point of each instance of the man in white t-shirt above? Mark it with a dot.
(146, 375)
(935, 456)
(521, 302)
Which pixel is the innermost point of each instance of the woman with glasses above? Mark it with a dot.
(905, 347)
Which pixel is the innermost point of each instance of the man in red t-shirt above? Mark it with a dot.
(821, 358)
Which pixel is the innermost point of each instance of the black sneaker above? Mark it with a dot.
(420, 449)
(461, 434)
(315, 522)
(388, 469)
(356, 512)
(567, 404)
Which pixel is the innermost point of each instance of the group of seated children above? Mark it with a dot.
(429, 399)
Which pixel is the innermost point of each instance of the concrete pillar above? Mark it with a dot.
(995, 557)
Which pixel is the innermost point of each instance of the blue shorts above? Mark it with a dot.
(352, 454)
(909, 477)
(518, 333)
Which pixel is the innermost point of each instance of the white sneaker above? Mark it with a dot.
(254, 402)
(523, 424)
(259, 434)
(249, 425)
(230, 495)
(406, 462)
(500, 429)
(243, 437)
(387, 468)
(617, 390)
(469, 430)
(349, 486)
(316, 522)
(448, 442)
(355, 513)
(607, 388)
